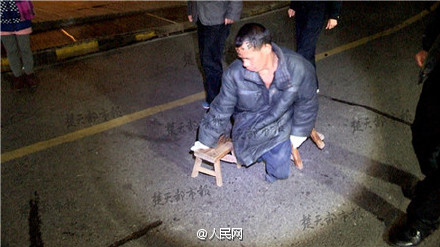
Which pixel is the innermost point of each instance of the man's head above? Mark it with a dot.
(253, 46)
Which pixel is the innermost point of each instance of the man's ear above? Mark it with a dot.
(267, 48)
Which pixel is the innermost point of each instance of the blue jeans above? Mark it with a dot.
(278, 161)
(211, 44)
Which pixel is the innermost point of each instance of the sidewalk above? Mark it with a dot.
(65, 29)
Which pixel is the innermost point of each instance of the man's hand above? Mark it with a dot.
(190, 18)
(420, 57)
(296, 141)
(291, 13)
(198, 146)
(331, 23)
(228, 21)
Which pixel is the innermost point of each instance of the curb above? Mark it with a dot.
(59, 54)
(55, 55)
(43, 26)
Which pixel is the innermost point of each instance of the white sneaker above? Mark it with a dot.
(205, 105)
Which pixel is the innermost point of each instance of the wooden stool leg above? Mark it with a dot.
(196, 168)
(297, 158)
(316, 139)
(236, 161)
(218, 173)
(295, 154)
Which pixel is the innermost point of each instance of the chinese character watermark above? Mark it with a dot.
(223, 233)
(92, 117)
(309, 221)
(176, 128)
(364, 123)
(179, 195)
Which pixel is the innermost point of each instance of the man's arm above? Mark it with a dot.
(306, 107)
(429, 36)
(234, 11)
(190, 10)
(432, 31)
(334, 10)
(217, 119)
(294, 5)
(292, 8)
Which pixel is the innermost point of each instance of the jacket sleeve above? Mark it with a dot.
(190, 8)
(431, 32)
(234, 10)
(334, 9)
(294, 5)
(217, 120)
(306, 106)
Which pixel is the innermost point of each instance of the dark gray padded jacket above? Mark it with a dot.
(263, 118)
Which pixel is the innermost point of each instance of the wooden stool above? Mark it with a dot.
(224, 151)
(295, 154)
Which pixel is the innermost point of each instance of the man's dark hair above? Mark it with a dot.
(256, 34)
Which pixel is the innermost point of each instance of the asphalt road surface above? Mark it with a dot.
(101, 150)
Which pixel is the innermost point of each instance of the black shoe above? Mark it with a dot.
(18, 83)
(406, 236)
(31, 80)
(409, 189)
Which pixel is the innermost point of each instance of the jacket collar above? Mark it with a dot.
(282, 75)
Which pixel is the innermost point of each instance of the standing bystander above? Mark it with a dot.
(310, 18)
(213, 19)
(16, 27)
(423, 212)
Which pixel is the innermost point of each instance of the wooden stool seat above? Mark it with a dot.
(295, 154)
(224, 151)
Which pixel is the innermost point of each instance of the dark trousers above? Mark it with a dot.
(424, 209)
(309, 19)
(211, 44)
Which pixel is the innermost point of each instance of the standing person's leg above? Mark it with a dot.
(13, 55)
(278, 162)
(213, 43)
(201, 41)
(308, 28)
(24, 43)
(300, 23)
(424, 209)
(309, 25)
(425, 128)
(217, 55)
(423, 212)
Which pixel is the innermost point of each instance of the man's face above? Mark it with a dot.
(253, 59)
